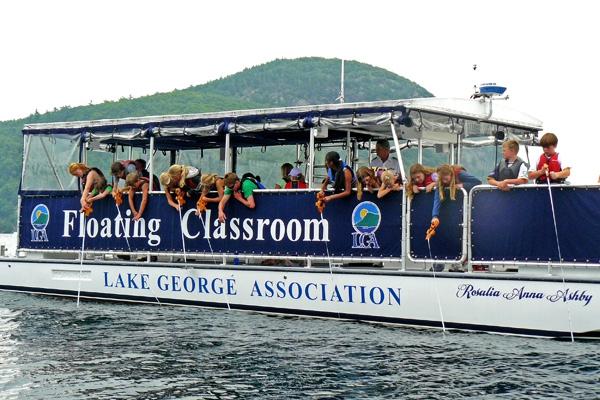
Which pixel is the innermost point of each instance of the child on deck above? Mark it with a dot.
(93, 184)
(285, 175)
(296, 180)
(243, 191)
(367, 179)
(212, 183)
(510, 171)
(389, 182)
(549, 165)
(140, 166)
(120, 169)
(339, 175)
(421, 177)
(137, 183)
(452, 177)
(180, 177)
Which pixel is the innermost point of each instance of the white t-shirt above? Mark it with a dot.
(192, 172)
(391, 163)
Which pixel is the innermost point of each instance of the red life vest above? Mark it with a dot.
(300, 185)
(553, 166)
(428, 179)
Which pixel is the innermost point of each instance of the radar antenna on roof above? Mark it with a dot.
(488, 90)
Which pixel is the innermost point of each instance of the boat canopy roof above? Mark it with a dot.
(471, 118)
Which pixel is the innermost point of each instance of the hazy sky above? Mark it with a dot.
(73, 52)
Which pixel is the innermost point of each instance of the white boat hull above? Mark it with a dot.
(535, 305)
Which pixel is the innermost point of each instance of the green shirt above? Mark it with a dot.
(96, 192)
(247, 188)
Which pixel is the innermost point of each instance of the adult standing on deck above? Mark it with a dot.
(384, 159)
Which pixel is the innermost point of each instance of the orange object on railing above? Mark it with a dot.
(118, 196)
(87, 211)
(431, 231)
(320, 203)
(200, 205)
(180, 194)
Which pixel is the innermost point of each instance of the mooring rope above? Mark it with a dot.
(330, 266)
(129, 246)
(81, 259)
(562, 272)
(437, 293)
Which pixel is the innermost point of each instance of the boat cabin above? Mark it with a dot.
(485, 226)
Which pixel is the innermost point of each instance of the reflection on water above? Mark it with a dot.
(50, 349)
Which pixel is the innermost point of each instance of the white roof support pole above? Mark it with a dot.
(370, 153)
(458, 149)
(298, 154)
(151, 167)
(227, 153)
(398, 153)
(354, 154)
(311, 158)
(420, 151)
(452, 154)
(130, 153)
(349, 160)
(84, 155)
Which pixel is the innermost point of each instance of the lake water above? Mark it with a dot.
(49, 349)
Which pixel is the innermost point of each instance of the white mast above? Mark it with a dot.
(341, 96)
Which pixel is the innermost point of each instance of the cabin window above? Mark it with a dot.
(46, 159)
(266, 162)
(208, 161)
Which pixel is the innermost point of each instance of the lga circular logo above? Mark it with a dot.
(40, 216)
(366, 217)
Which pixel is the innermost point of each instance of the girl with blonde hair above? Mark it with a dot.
(212, 183)
(366, 179)
(180, 178)
(389, 182)
(450, 177)
(93, 184)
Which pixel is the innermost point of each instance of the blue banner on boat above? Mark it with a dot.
(284, 223)
(518, 225)
(447, 242)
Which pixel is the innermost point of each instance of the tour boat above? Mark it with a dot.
(519, 262)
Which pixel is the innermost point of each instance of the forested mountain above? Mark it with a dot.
(278, 83)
